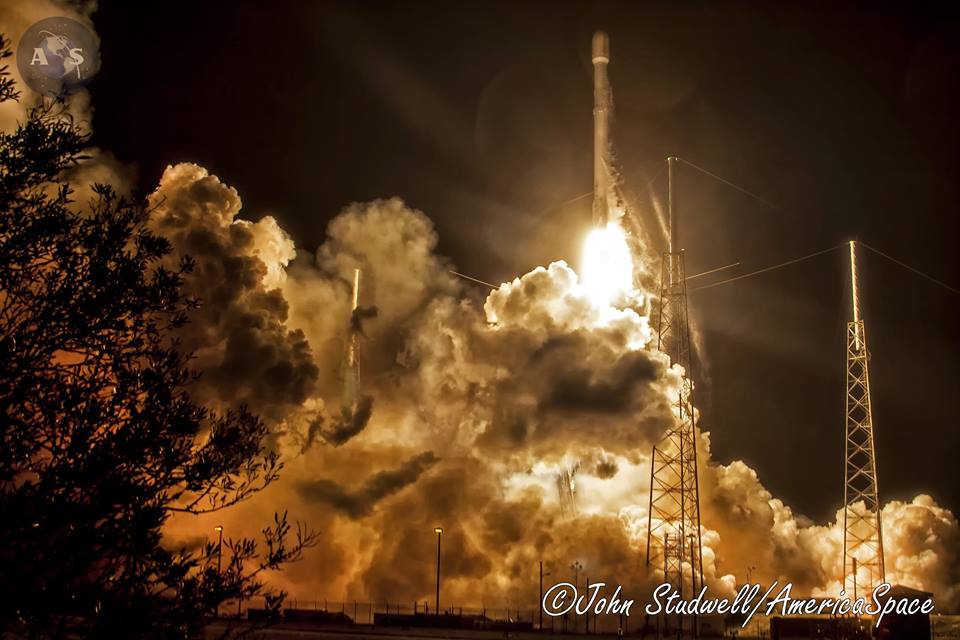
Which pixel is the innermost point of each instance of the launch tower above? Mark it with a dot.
(673, 517)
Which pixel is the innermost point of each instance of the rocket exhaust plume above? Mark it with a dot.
(607, 269)
(602, 109)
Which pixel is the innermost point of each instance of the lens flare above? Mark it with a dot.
(607, 266)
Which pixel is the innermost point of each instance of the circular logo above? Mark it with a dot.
(57, 56)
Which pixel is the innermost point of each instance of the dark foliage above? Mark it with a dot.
(100, 441)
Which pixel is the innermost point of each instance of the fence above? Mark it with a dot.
(416, 614)
(413, 614)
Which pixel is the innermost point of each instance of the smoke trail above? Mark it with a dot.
(382, 484)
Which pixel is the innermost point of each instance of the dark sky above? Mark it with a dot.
(480, 115)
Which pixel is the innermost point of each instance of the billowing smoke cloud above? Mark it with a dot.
(920, 543)
(467, 414)
(243, 347)
(920, 538)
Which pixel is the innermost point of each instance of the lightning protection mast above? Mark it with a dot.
(863, 566)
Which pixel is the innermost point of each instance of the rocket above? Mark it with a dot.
(602, 113)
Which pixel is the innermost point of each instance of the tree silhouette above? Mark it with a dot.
(101, 441)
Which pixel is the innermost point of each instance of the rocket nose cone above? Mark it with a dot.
(601, 47)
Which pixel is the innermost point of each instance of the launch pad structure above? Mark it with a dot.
(673, 514)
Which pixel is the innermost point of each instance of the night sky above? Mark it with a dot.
(479, 114)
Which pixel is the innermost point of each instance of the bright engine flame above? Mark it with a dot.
(607, 266)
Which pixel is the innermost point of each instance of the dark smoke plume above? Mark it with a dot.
(360, 503)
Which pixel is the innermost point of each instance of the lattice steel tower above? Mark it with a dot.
(673, 521)
(862, 533)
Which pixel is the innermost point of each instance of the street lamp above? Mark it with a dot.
(576, 566)
(439, 532)
(691, 540)
(219, 530)
(540, 601)
(586, 617)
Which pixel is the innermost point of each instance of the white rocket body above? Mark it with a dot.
(602, 113)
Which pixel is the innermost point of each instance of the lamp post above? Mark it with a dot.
(540, 601)
(219, 530)
(691, 539)
(750, 571)
(586, 616)
(576, 566)
(439, 532)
